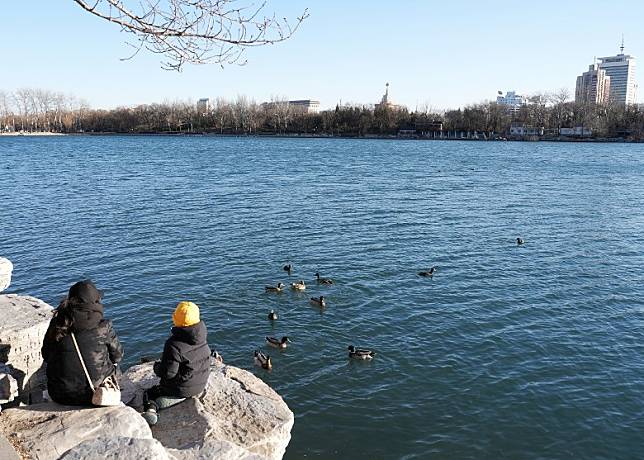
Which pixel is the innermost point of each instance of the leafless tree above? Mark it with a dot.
(194, 31)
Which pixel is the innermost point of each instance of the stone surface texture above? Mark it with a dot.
(23, 323)
(118, 448)
(47, 431)
(237, 408)
(6, 267)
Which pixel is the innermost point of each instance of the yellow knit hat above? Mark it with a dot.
(186, 314)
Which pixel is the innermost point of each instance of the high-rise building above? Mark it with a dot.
(593, 86)
(203, 105)
(621, 70)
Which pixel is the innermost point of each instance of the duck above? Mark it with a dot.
(288, 268)
(273, 342)
(272, 315)
(320, 302)
(360, 353)
(520, 241)
(429, 273)
(217, 358)
(277, 288)
(262, 360)
(323, 280)
(299, 286)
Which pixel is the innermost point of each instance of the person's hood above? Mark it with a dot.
(84, 302)
(192, 335)
(86, 315)
(84, 292)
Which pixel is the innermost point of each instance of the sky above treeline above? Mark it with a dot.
(437, 54)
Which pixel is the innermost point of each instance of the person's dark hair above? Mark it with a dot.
(63, 320)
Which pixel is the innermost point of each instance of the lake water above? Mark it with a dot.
(508, 352)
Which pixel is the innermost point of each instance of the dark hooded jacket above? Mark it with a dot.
(98, 343)
(185, 363)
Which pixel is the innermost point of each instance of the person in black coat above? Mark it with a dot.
(185, 364)
(81, 312)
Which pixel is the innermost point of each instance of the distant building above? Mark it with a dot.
(306, 105)
(300, 106)
(386, 102)
(520, 130)
(577, 131)
(512, 101)
(621, 70)
(593, 86)
(203, 105)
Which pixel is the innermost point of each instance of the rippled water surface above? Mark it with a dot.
(509, 352)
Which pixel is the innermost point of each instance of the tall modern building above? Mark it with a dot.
(593, 86)
(621, 70)
(203, 105)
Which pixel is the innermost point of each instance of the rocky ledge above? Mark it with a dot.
(238, 416)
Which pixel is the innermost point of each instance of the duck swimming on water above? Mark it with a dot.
(273, 342)
(288, 268)
(262, 360)
(319, 301)
(272, 315)
(299, 286)
(429, 273)
(520, 241)
(323, 280)
(360, 353)
(277, 288)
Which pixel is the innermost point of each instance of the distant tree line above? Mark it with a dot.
(32, 110)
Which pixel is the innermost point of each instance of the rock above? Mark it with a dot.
(221, 450)
(23, 323)
(118, 448)
(237, 408)
(46, 431)
(6, 267)
(135, 381)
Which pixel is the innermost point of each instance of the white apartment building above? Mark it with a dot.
(621, 70)
(511, 100)
(593, 86)
(305, 105)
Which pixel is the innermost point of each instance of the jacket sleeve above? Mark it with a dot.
(168, 368)
(114, 347)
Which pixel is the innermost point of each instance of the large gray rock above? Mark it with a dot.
(214, 449)
(118, 448)
(23, 323)
(6, 267)
(46, 431)
(237, 408)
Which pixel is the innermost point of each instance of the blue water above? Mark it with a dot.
(508, 352)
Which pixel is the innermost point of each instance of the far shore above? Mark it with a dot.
(34, 133)
(329, 136)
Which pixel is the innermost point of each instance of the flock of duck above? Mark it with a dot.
(264, 361)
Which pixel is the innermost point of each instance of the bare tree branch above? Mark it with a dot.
(194, 31)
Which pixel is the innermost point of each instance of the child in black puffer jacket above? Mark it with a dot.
(184, 365)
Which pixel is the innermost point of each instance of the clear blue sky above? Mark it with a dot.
(445, 54)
